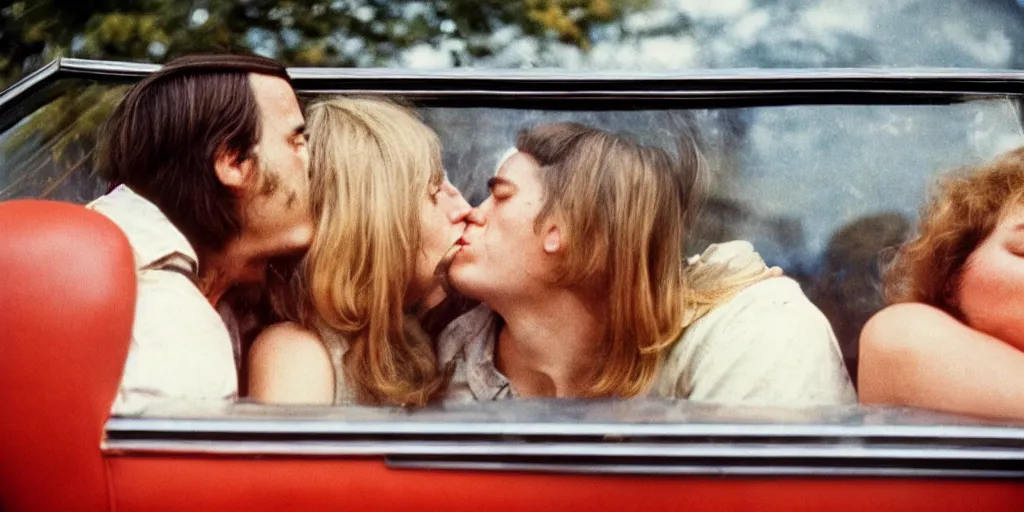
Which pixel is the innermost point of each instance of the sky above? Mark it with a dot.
(772, 33)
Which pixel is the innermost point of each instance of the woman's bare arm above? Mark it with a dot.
(289, 364)
(917, 355)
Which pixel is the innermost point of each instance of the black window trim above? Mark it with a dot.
(744, 87)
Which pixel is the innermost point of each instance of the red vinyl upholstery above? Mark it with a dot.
(67, 299)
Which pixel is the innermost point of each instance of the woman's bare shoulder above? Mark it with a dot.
(908, 323)
(289, 363)
(288, 338)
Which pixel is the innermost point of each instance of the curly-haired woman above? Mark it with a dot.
(953, 338)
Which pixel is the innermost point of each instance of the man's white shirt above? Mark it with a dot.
(180, 346)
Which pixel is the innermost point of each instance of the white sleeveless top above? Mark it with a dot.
(337, 346)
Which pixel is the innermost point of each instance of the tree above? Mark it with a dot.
(45, 153)
(299, 33)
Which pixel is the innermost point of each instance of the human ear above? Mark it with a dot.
(552, 239)
(233, 169)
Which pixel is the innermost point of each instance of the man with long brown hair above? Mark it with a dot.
(208, 162)
(577, 256)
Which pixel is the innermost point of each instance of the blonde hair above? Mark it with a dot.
(372, 162)
(631, 248)
(963, 211)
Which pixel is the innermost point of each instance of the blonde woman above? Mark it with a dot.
(577, 255)
(386, 215)
(953, 340)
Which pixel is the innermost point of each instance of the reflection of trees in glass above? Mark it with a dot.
(51, 153)
(474, 138)
(848, 288)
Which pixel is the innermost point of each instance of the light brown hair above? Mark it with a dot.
(961, 213)
(630, 248)
(372, 163)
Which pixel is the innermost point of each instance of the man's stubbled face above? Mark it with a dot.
(279, 208)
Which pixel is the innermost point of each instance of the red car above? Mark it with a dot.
(820, 169)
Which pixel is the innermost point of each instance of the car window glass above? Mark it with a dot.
(50, 153)
(820, 190)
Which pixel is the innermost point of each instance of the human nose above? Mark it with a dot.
(458, 208)
(478, 215)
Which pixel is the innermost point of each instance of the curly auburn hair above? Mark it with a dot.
(962, 212)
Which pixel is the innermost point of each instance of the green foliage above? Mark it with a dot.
(299, 33)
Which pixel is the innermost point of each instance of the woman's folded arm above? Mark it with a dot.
(916, 355)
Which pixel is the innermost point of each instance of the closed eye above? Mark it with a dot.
(1015, 247)
(501, 188)
(300, 136)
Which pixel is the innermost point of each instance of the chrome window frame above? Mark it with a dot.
(748, 86)
(602, 436)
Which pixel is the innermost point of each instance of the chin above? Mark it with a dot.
(300, 238)
(477, 286)
(460, 278)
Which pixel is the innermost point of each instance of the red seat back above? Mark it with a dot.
(67, 299)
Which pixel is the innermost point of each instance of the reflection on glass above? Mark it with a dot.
(50, 153)
(819, 190)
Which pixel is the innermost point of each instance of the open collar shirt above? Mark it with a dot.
(768, 345)
(181, 345)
